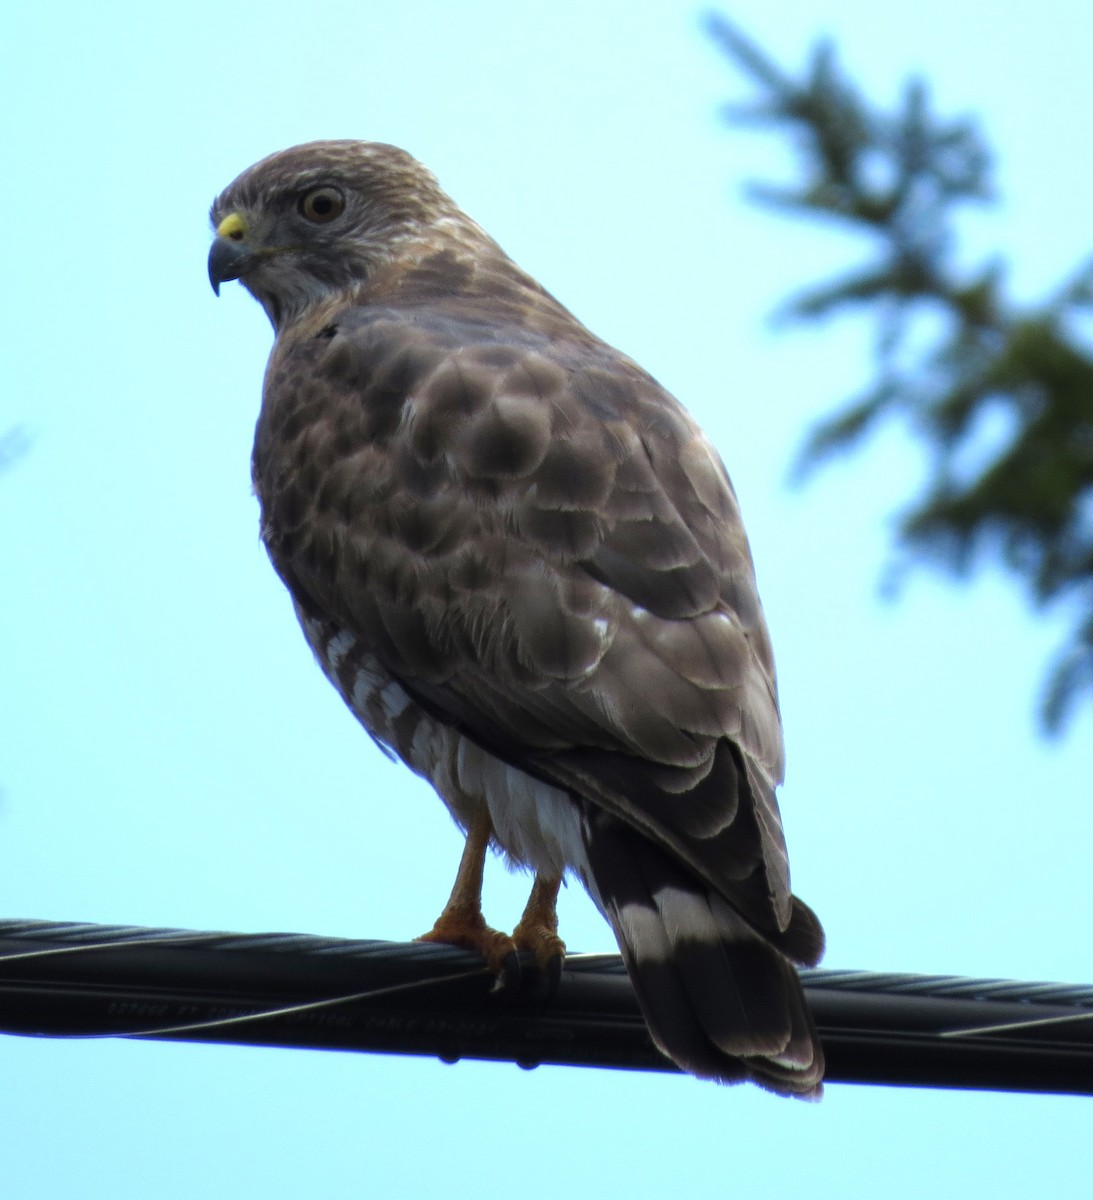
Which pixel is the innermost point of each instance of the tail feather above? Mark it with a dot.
(719, 998)
(803, 940)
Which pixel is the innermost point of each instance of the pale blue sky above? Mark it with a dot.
(169, 753)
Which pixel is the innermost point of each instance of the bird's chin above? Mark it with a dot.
(270, 292)
(272, 305)
(286, 293)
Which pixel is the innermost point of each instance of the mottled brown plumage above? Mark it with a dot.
(523, 565)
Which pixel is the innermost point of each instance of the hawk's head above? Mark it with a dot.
(319, 219)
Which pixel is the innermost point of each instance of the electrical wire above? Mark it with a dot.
(296, 990)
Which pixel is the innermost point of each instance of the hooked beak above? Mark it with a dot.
(227, 260)
(230, 255)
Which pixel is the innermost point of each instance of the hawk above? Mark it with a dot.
(523, 566)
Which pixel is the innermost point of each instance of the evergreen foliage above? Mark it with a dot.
(954, 353)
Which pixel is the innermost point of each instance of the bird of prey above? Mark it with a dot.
(523, 566)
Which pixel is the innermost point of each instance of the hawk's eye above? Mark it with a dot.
(322, 205)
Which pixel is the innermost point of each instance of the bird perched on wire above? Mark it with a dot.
(523, 566)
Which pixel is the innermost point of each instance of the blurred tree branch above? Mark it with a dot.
(13, 443)
(953, 351)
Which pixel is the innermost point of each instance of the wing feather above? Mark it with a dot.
(539, 543)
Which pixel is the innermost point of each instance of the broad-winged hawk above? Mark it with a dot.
(523, 566)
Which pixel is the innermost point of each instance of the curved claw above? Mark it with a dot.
(468, 929)
(507, 980)
(548, 950)
(537, 931)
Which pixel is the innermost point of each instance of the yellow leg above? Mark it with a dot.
(461, 923)
(538, 928)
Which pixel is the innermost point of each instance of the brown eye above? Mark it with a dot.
(322, 205)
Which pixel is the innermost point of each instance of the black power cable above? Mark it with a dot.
(68, 980)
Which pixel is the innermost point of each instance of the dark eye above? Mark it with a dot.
(322, 205)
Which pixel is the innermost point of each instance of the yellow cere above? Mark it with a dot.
(233, 227)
